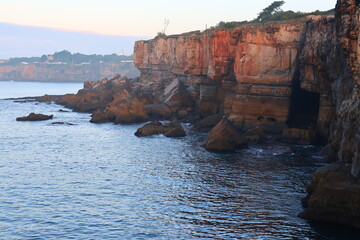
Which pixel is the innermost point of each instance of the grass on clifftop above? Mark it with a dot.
(271, 13)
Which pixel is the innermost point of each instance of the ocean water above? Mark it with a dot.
(99, 181)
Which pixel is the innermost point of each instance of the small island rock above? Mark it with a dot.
(35, 117)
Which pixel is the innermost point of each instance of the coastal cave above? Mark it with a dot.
(304, 109)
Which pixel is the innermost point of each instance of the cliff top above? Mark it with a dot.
(271, 15)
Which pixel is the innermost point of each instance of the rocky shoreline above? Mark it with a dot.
(296, 81)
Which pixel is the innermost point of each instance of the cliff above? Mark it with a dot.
(301, 79)
(297, 78)
(65, 72)
(256, 75)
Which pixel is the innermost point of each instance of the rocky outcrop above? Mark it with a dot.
(333, 194)
(256, 75)
(224, 70)
(300, 78)
(171, 129)
(66, 72)
(35, 117)
(224, 137)
(297, 78)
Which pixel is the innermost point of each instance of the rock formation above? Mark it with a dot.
(224, 137)
(333, 194)
(300, 78)
(171, 129)
(35, 117)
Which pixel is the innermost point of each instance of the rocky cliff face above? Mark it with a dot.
(293, 77)
(297, 78)
(256, 75)
(65, 72)
(334, 191)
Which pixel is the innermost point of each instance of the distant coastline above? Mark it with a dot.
(67, 67)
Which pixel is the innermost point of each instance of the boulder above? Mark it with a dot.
(255, 134)
(35, 117)
(158, 111)
(172, 129)
(224, 137)
(209, 121)
(333, 196)
(99, 117)
(153, 128)
(176, 95)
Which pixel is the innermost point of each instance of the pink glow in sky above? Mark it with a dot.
(140, 17)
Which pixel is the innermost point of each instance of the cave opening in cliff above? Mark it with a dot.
(304, 109)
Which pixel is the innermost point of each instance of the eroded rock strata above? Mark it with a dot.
(300, 78)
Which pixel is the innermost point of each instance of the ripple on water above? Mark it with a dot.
(99, 181)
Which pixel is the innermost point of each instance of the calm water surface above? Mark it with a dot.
(99, 181)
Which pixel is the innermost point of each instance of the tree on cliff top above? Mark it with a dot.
(268, 12)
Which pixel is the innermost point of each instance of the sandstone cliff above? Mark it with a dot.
(297, 78)
(256, 75)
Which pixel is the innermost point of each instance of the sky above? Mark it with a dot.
(137, 18)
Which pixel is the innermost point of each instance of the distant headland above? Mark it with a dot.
(65, 66)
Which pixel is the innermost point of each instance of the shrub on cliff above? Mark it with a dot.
(160, 35)
(272, 13)
(269, 11)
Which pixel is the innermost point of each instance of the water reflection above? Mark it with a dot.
(101, 182)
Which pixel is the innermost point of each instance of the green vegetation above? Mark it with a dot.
(272, 13)
(269, 11)
(67, 57)
(160, 35)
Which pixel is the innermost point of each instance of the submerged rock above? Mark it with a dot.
(35, 117)
(63, 123)
(224, 137)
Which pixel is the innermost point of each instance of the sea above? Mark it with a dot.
(99, 181)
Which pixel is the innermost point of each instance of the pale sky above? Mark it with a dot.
(140, 17)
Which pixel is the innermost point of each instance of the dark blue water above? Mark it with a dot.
(99, 181)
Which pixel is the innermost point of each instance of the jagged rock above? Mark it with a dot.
(172, 129)
(100, 117)
(152, 128)
(176, 95)
(127, 110)
(209, 121)
(62, 110)
(224, 137)
(255, 135)
(298, 136)
(35, 117)
(158, 111)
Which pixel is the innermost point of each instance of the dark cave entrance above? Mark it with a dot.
(304, 109)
